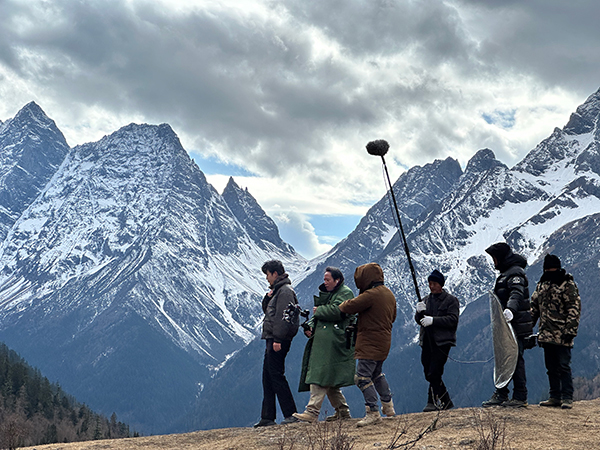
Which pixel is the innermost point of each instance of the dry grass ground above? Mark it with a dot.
(532, 428)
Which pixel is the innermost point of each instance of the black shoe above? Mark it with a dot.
(496, 400)
(514, 403)
(551, 402)
(429, 407)
(289, 420)
(265, 423)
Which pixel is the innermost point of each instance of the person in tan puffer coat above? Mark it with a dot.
(376, 308)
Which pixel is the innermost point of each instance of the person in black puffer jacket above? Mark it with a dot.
(438, 316)
(512, 289)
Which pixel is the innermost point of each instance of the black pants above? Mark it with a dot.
(433, 358)
(275, 384)
(519, 379)
(558, 366)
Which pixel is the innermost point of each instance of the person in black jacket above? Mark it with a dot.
(278, 334)
(512, 289)
(438, 316)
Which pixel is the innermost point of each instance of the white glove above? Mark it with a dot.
(426, 321)
(421, 306)
(508, 315)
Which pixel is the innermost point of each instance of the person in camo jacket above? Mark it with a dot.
(557, 304)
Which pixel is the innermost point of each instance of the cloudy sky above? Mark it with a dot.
(284, 95)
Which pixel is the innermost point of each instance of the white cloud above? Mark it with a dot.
(292, 91)
(298, 231)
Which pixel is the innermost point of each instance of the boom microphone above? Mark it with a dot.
(380, 148)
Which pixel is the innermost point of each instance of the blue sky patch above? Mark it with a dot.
(501, 118)
(213, 166)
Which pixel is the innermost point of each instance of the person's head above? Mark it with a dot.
(332, 278)
(551, 263)
(273, 269)
(499, 252)
(436, 281)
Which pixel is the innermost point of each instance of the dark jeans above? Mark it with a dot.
(519, 379)
(275, 384)
(434, 358)
(558, 366)
(371, 381)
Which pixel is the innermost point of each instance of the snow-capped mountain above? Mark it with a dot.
(548, 202)
(125, 245)
(416, 190)
(32, 149)
(129, 279)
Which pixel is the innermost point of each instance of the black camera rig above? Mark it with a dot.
(293, 312)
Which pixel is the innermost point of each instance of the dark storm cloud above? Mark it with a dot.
(430, 29)
(557, 41)
(257, 85)
(251, 87)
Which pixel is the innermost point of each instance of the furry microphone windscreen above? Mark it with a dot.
(378, 147)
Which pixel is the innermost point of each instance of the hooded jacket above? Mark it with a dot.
(274, 305)
(376, 308)
(512, 287)
(557, 304)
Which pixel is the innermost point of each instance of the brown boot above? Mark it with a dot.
(371, 418)
(306, 417)
(387, 408)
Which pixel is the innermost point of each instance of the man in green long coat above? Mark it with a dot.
(328, 363)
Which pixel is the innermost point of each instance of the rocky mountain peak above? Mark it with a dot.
(31, 150)
(249, 213)
(483, 161)
(585, 118)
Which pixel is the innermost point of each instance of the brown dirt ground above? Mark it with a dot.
(532, 428)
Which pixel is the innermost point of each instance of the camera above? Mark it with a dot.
(292, 314)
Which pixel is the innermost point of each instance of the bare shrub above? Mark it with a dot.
(317, 436)
(402, 430)
(329, 436)
(491, 431)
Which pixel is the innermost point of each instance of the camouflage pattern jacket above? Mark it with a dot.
(557, 304)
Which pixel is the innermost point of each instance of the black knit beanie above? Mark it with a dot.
(437, 276)
(551, 262)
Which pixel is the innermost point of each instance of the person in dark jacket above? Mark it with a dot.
(278, 334)
(512, 289)
(328, 363)
(557, 304)
(438, 316)
(376, 308)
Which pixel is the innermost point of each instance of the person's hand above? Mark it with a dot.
(308, 333)
(508, 315)
(276, 346)
(426, 321)
(314, 309)
(421, 306)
